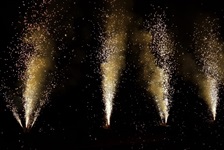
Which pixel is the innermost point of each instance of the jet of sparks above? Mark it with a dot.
(159, 87)
(16, 115)
(42, 20)
(113, 49)
(111, 69)
(37, 66)
(163, 47)
(156, 60)
(209, 47)
(209, 90)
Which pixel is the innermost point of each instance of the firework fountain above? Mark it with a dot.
(38, 65)
(35, 46)
(208, 51)
(112, 56)
(157, 51)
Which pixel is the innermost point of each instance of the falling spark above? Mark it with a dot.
(209, 49)
(156, 60)
(113, 58)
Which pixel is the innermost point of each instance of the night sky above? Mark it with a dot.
(73, 118)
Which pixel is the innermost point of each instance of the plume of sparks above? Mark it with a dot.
(113, 59)
(157, 50)
(14, 106)
(33, 49)
(35, 60)
(209, 47)
(37, 65)
(209, 91)
(16, 115)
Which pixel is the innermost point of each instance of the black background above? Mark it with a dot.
(74, 117)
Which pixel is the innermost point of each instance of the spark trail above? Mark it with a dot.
(157, 50)
(113, 59)
(16, 115)
(208, 51)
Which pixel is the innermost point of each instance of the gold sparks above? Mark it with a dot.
(157, 78)
(113, 57)
(157, 70)
(35, 79)
(209, 49)
(159, 88)
(163, 46)
(34, 46)
(37, 67)
(209, 91)
(111, 69)
(111, 72)
(16, 115)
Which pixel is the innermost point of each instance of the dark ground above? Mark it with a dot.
(73, 119)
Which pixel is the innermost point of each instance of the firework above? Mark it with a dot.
(208, 51)
(157, 50)
(37, 66)
(113, 59)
